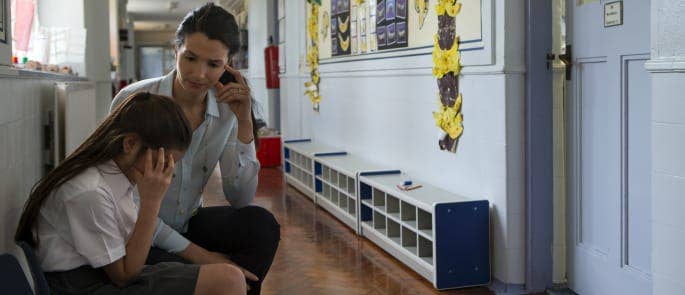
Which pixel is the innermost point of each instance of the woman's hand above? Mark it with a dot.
(236, 95)
(154, 181)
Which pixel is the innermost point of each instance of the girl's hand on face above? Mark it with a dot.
(154, 181)
(236, 95)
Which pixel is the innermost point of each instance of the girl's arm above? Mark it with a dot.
(152, 185)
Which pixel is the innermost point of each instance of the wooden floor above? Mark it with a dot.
(320, 255)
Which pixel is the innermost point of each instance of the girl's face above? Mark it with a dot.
(199, 63)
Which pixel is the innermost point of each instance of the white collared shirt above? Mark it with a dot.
(215, 140)
(87, 220)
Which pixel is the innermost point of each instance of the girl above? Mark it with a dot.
(90, 235)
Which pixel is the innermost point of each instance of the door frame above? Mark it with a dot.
(539, 145)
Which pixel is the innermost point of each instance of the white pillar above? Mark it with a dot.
(257, 35)
(667, 66)
(96, 22)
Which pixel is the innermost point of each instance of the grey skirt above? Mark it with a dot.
(161, 278)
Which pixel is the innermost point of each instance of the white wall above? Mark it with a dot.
(258, 37)
(61, 13)
(667, 65)
(386, 116)
(22, 101)
(154, 38)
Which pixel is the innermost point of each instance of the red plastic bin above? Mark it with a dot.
(269, 153)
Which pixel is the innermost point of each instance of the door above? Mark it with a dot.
(608, 111)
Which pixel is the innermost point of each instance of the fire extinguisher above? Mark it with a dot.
(271, 65)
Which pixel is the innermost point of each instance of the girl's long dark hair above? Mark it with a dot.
(157, 121)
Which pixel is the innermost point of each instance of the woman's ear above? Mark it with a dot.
(131, 143)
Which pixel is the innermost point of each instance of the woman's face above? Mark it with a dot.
(200, 62)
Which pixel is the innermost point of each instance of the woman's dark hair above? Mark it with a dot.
(157, 120)
(213, 21)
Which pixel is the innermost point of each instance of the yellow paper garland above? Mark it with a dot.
(447, 62)
(312, 88)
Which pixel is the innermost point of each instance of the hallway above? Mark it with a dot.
(318, 254)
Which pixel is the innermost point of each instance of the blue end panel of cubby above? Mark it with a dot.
(365, 193)
(297, 140)
(286, 153)
(462, 244)
(330, 154)
(287, 167)
(383, 172)
(366, 213)
(318, 185)
(317, 168)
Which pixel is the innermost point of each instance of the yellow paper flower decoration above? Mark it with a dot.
(445, 61)
(312, 88)
(449, 119)
(451, 7)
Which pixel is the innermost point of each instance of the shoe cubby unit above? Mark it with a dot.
(298, 163)
(337, 178)
(442, 236)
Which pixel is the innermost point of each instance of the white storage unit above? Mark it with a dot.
(336, 183)
(442, 236)
(298, 163)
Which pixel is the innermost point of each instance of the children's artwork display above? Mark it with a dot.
(340, 27)
(358, 27)
(391, 22)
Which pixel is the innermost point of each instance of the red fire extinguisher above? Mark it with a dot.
(271, 65)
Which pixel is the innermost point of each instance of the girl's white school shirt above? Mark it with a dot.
(87, 220)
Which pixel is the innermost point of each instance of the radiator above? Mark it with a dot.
(70, 119)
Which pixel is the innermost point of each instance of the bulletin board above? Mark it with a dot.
(349, 28)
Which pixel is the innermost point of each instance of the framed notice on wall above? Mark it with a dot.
(5, 33)
(4, 20)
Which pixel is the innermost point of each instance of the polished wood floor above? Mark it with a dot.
(320, 255)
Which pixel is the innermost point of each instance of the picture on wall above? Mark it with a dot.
(3, 22)
(340, 27)
(391, 24)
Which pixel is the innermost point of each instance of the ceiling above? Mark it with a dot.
(165, 15)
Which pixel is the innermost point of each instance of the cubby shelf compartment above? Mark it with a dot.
(298, 164)
(442, 236)
(338, 175)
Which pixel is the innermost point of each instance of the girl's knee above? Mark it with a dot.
(222, 279)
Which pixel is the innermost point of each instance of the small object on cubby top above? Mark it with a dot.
(298, 163)
(408, 187)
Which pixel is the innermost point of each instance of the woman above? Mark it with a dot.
(90, 236)
(223, 132)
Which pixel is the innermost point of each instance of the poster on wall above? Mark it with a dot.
(376, 25)
(340, 27)
(3, 22)
(391, 24)
(424, 23)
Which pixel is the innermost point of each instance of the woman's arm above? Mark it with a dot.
(239, 171)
